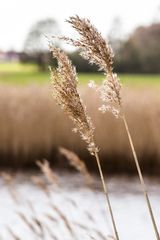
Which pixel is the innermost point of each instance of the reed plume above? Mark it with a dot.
(9, 181)
(64, 88)
(38, 181)
(96, 50)
(47, 171)
(77, 163)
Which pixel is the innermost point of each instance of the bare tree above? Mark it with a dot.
(35, 46)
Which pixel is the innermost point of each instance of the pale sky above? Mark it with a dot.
(17, 16)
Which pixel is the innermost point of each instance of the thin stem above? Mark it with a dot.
(141, 178)
(105, 189)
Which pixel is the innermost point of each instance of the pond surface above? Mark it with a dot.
(74, 211)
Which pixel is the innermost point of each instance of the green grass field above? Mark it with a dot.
(15, 73)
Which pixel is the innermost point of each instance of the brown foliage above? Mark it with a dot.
(31, 124)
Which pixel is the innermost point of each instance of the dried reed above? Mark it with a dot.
(9, 180)
(36, 220)
(47, 171)
(51, 233)
(77, 163)
(28, 223)
(19, 147)
(40, 184)
(14, 236)
(65, 221)
(41, 230)
(64, 87)
(96, 50)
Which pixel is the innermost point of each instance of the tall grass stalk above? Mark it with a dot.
(141, 177)
(105, 189)
(96, 50)
(18, 146)
(64, 88)
(81, 167)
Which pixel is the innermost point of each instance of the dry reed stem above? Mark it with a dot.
(65, 221)
(47, 171)
(27, 223)
(96, 50)
(9, 180)
(90, 217)
(39, 229)
(35, 219)
(15, 237)
(51, 218)
(21, 148)
(77, 163)
(72, 202)
(50, 233)
(64, 85)
(39, 225)
(109, 207)
(141, 178)
(40, 184)
(82, 226)
(99, 234)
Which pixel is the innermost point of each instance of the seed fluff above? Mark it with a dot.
(64, 88)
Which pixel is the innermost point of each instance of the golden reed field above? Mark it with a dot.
(32, 127)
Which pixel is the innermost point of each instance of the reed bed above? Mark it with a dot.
(53, 223)
(32, 127)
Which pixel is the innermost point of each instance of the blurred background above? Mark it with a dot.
(33, 128)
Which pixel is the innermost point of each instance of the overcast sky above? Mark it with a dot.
(17, 16)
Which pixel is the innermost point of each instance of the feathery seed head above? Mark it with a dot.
(77, 163)
(96, 50)
(47, 171)
(110, 95)
(64, 86)
(93, 47)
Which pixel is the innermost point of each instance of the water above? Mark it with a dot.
(81, 207)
